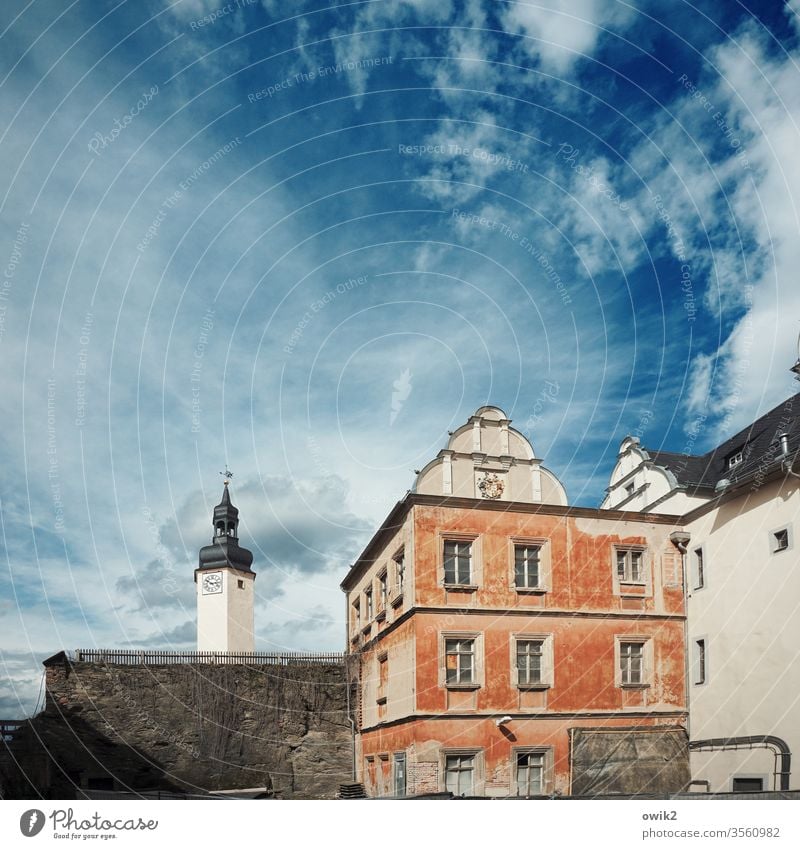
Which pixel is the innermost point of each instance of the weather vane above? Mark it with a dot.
(227, 474)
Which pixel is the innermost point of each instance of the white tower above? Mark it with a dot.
(225, 586)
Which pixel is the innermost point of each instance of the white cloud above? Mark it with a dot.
(561, 32)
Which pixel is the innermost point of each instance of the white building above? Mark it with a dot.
(740, 510)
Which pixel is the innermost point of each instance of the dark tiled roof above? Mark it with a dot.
(758, 443)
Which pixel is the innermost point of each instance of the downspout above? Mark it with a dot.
(780, 746)
(680, 539)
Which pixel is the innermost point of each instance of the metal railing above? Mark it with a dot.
(158, 657)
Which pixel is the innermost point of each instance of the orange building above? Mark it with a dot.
(512, 645)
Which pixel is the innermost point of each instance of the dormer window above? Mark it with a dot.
(735, 459)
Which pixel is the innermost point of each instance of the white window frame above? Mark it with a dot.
(383, 592)
(547, 759)
(543, 545)
(699, 660)
(474, 565)
(736, 459)
(547, 665)
(620, 584)
(399, 571)
(698, 567)
(773, 539)
(647, 661)
(476, 639)
(476, 755)
(369, 605)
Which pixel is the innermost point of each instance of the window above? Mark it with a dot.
(526, 566)
(629, 489)
(747, 784)
(459, 774)
(459, 661)
(240, 584)
(629, 566)
(699, 661)
(699, 569)
(457, 562)
(631, 664)
(382, 591)
(530, 654)
(780, 540)
(735, 459)
(530, 768)
(356, 615)
(368, 603)
(399, 571)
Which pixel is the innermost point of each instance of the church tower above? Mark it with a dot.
(225, 585)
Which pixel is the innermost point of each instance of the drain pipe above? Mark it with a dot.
(779, 745)
(680, 539)
(786, 461)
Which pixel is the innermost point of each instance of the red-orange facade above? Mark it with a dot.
(490, 633)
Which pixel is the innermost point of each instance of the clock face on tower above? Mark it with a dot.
(212, 583)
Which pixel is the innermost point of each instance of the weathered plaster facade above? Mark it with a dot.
(443, 704)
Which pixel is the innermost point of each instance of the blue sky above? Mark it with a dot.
(228, 233)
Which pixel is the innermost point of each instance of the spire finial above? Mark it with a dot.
(227, 474)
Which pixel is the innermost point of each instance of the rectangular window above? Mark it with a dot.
(629, 566)
(457, 562)
(459, 774)
(382, 591)
(747, 784)
(399, 571)
(368, 604)
(735, 459)
(629, 489)
(526, 566)
(459, 661)
(356, 615)
(700, 661)
(699, 569)
(530, 655)
(631, 663)
(530, 773)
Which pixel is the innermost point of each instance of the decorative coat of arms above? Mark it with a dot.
(491, 486)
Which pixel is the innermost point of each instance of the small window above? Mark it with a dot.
(629, 489)
(368, 602)
(459, 661)
(530, 768)
(780, 540)
(735, 459)
(240, 584)
(457, 562)
(631, 664)
(700, 660)
(399, 571)
(459, 774)
(629, 566)
(747, 784)
(382, 591)
(699, 569)
(530, 661)
(527, 563)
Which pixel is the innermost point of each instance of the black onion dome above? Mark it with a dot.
(225, 549)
